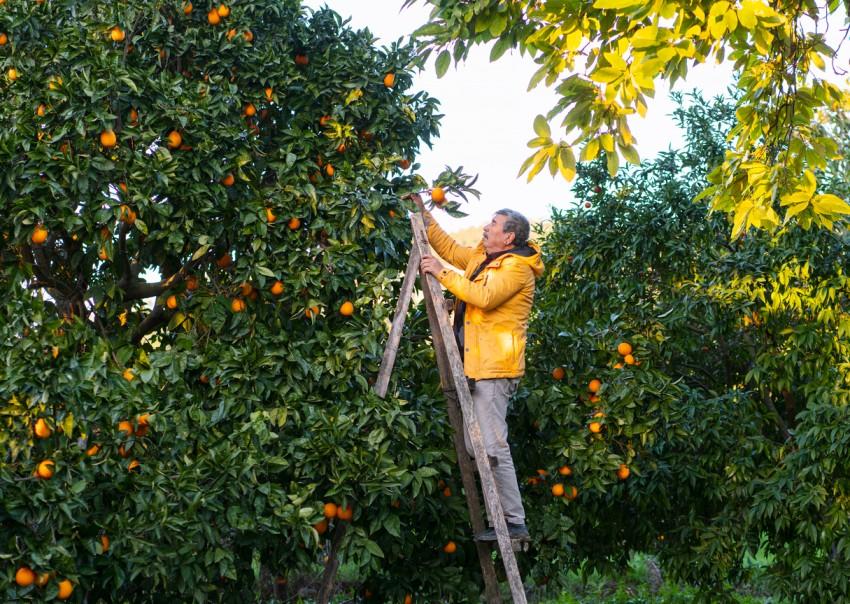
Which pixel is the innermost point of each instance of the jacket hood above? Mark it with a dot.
(529, 253)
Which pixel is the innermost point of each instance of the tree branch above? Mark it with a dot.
(154, 319)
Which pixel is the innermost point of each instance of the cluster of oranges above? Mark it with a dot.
(559, 489)
(330, 510)
(25, 576)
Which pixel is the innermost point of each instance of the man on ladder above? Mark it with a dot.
(494, 298)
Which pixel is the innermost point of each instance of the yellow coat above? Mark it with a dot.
(498, 303)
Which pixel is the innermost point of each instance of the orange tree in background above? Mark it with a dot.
(201, 247)
(605, 57)
(688, 394)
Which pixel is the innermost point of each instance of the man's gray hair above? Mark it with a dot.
(517, 224)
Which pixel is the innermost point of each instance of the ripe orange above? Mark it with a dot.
(311, 312)
(12, 74)
(245, 289)
(117, 34)
(594, 386)
(41, 429)
(250, 110)
(450, 547)
(623, 471)
(323, 121)
(248, 35)
(618, 366)
(624, 348)
(134, 466)
(108, 139)
(40, 110)
(277, 288)
(347, 309)
(224, 261)
(302, 60)
(321, 526)
(330, 510)
(345, 513)
(123, 187)
(128, 374)
(558, 373)
(4, 39)
(558, 490)
(104, 543)
(24, 577)
(595, 427)
(191, 283)
(237, 305)
(329, 170)
(175, 139)
(228, 180)
(269, 92)
(629, 359)
(340, 148)
(126, 427)
(66, 588)
(447, 492)
(542, 472)
(294, 224)
(565, 470)
(143, 420)
(404, 164)
(231, 33)
(270, 216)
(93, 450)
(571, 494)
(438, 195)
(45, 469)
(39, 235)
(408, 599)
(134, 117)
(223, 11)
(213, 18)
(187, 8)
(42, 579)
(389, 80)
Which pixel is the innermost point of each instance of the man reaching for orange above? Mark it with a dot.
(494, 298)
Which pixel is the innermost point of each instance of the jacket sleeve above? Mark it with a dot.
(446, 247)
(501, 284)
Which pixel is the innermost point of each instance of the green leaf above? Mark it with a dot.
(499, 48)
(443, 62)
(541, 127)
(613, 161)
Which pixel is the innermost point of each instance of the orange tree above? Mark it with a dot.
(201, 249)
(716, 425)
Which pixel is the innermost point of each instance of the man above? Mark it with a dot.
(494, 298)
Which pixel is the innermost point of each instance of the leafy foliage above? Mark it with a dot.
(605, 57)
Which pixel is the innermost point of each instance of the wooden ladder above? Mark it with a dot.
(460, 410)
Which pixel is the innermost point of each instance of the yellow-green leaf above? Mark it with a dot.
(830, 204)
(606, 75)
(541, 127)
(591, 150)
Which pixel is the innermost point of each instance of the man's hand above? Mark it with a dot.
(431, 265)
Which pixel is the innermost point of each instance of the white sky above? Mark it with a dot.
(488, 116)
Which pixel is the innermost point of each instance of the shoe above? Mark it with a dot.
(515, 531)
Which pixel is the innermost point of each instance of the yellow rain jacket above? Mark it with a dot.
(498, 303)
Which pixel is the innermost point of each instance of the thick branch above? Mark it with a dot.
(137, 291)
(154, 319)
(123, 259)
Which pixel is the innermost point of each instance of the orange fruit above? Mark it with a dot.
(438, 195)
(404, 164)
(39, 235)
(231, 33)
(66, 588)
(126, 427)
(250, 110)
(618, 366)
(42, 579)
(117, 34)
(104, 543)
(595, 427)
(191, 283)
(389, 80)
(12, 74)
(93, 450)
(558, 490)
(248, 35)
(213, 18)
(623, 471)
(571, 494)
(102, 254)
(134, 466)
(340, 148)
(450, 547)
(542, 472)
(171, 302)
(311, 312)
(629, 359)
(128, 374)
(187, 8)
(347, 309)
(330, 510)
(41, 429)
(565, 470)
(223, 11)
(447, 492)
(45, 469)
(408, 599)
(323, 121)
(329, 170)
(269, 92)
(144, 419)
(123, 187)
(237, 305)
(558, 373)
(321, 526)
(40, 110)
(24, 577)
(245, 289)
(270, 216)
(594, 386)
(175, 139)
(345, 513)
(108, 139)
(228, 180)
(4, 39)
(224, 261)
(294, 224)
(624, 348)
(126, 213)
(134, 117)
(302, 60)
(277, 288)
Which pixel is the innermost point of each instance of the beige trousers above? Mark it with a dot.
(490, 401)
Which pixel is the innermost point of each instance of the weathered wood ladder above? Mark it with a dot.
(460, 410)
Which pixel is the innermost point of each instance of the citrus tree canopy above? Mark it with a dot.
(604, 58)
(201, 247)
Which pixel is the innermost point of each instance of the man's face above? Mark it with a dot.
(495, 237)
